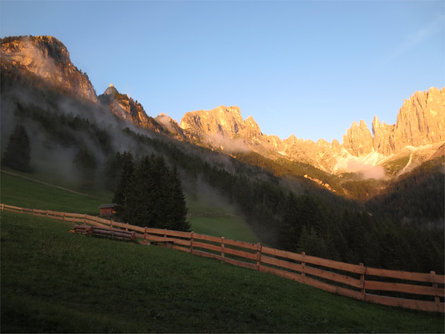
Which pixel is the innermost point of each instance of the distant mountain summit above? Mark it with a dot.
(126, 108)
(420, 124)
(420, 121)
(417, 136)
(111, 90)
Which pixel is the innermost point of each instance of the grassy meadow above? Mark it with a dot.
(16, 190)
(56, 281)
(206, 218)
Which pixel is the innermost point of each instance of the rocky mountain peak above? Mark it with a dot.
(421, 119)
(126, 108)
(225, 121)
(47, 58)
(358, 139)
(111, 90)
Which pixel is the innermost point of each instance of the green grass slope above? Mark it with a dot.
(20, 191)
(56, 281)
(206, 218)
(218, 219)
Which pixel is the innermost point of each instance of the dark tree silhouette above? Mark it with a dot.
(17, 153)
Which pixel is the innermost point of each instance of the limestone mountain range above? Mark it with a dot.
(417, 135)
(419, 131)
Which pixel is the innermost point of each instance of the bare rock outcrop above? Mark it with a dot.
(47, 58)
(358, 139)
(421, 120)
(383, 137)
(126, 108)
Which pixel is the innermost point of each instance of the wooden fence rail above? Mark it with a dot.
(419, 291)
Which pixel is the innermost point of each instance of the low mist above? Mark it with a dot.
(366, 171)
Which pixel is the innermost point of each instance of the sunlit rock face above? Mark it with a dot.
(420, 122)
(383, 139)
(170, 125)
(126, 108)
(224, 128)
(225, 121)
(358, 139)
(47, 58)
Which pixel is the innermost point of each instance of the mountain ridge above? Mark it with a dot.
(427, 109)
(420, 121)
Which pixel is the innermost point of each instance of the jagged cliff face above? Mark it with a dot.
(224, 128)
(48, 59)
(421, 120)
(420, 124)
(383, 141)
(45, 62)
(128, 109)
(358, 139)
(417, 135)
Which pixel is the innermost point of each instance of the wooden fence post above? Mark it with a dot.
(222, 247)
(436, 296)
(191, 241)
(2, 206)
(258, 256)
(84, 219)
(362, 280)
(126, 226)
(145, 235)
(303, 264)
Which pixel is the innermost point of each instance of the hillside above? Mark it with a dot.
(296, 205)
(152, 289)
(206, 217)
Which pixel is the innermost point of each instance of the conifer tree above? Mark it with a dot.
(86, 165)
(142, 196)
(17, 154)
(124, 187)
(150, 194)
(179, 209)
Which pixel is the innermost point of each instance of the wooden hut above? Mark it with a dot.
(107, 210)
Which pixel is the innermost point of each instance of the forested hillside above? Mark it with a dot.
(76, 141)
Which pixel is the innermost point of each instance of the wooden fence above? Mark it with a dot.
(418, 291)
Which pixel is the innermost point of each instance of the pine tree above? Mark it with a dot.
(179, 209)
(143, 196)
(291, 224)
(124, 187)
(86, 165)
(112, 171)
(18, 151)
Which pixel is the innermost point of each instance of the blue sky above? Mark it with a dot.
(308, 68)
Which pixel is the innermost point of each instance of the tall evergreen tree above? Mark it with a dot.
(179, 209)
(150, 194)
(123, 190)
(86, 165)
(18, 151)
(112, 171)
(142, 196)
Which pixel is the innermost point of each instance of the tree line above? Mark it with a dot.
(148, 193)
(313, 220)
